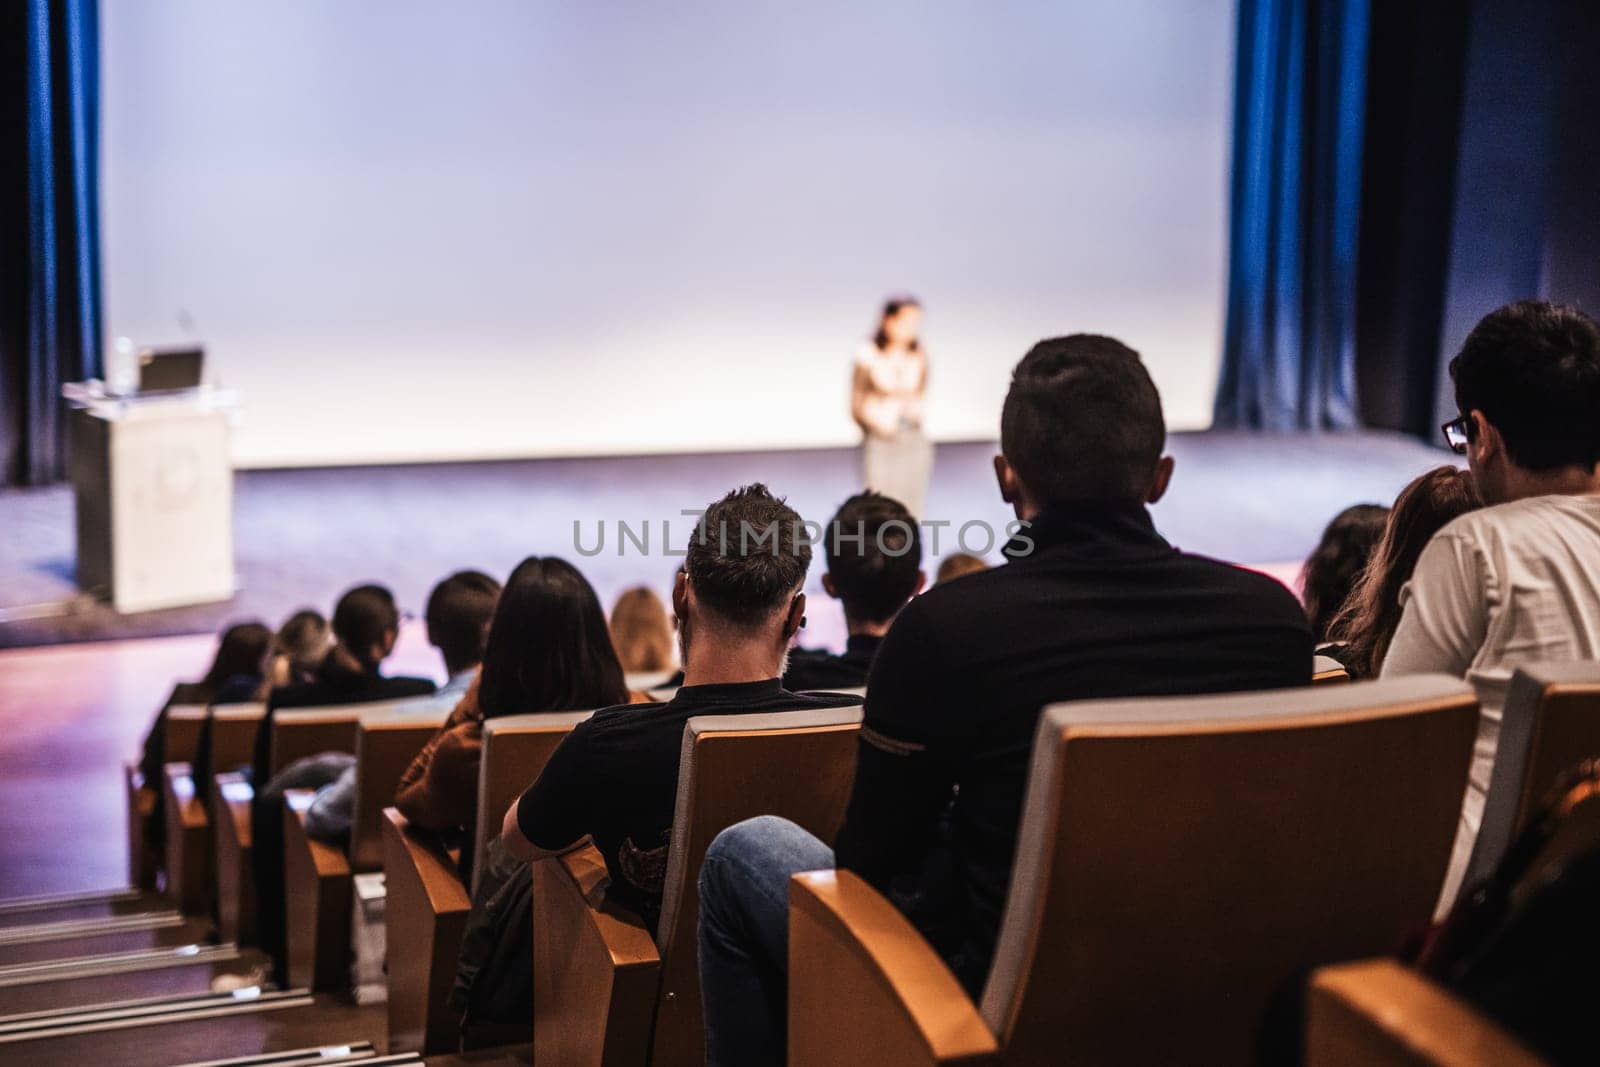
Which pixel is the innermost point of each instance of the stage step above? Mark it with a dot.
(362, 1053)
(89, 966)
(176, 974)
(312, 1021)
(65, 907)
(186, 931)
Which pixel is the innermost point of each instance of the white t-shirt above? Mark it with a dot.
(1510, 584)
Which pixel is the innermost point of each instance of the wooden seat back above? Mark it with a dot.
(1182, 861)
(1550, 723)
(515, 750)
(1379, 1014)
(386, 743)
(233, 734)
(798, 765)
(301, 732)
(184, 725)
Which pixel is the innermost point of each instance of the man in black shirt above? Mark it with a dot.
(1092, 603)
(614, 779)
(874, 555)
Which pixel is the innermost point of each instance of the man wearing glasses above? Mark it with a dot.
(1517, 581)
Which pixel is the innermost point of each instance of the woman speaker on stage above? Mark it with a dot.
(886, 394)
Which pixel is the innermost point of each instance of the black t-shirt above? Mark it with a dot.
(817, 668)
(1101, 607)
(615, 779)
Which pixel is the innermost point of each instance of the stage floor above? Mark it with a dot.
(303, 535)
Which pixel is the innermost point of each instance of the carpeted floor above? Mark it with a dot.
(303, 535)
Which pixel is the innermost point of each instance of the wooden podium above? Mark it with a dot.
(153, 481)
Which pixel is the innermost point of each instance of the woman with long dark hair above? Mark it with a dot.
(886, 398)
(548, 650)
(1364, 626)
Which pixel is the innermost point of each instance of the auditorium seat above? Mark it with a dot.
(1377, 1013)
(1550, 724)
(188, 861)
(1181, 863)
(604, 990)
(183, 729)
(296, 733)
(318, 876)
(1326, 670)
(427, 903)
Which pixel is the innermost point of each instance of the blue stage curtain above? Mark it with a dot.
(1289, 351)
(50, 273)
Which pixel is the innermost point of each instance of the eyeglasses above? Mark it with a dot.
(1455, 434)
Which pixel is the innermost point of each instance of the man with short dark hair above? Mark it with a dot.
(1517, 581)
(458, 614)
(873, 551)
(1092, 603)
(614, 779)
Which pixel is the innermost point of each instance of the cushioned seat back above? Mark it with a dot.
(798, 765)
(386, 743)
(1549, 724)
(515, 750)
(1183, 862)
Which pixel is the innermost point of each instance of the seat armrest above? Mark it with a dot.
(425, 910)
(188, 859)
(1379, 1013)
(231, 794)
(596, 970)
(864, 987)
(317, 899)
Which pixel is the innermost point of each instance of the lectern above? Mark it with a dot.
(153, 482)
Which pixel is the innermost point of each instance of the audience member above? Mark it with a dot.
(293, 656)
(1363, 628)
(642, 632)
(615, 777)
(365, 626)
(1091, 603)
(873, 551)
(1332, 570)
(956, 564)
(548, 650)
(1516, 581)
(238, 656)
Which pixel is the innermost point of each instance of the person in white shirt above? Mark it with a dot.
(1518, 581)
(887, 389)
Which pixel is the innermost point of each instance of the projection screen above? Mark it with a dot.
(424, 231)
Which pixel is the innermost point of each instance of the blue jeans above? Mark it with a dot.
(744, 936)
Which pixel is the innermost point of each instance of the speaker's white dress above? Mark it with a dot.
(896, 457)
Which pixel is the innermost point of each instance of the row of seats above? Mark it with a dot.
(1180, 860)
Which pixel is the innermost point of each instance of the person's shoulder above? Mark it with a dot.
(298, 695)
(404, 686)
(815, 701)
(1256, 591)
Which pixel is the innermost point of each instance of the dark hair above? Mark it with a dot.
(874, 553)
(361, 619)
(1367, 622)
(458, 614)
(1533, 369)
(302, 639)
(892, 307)
(548, 647)
(1333, 568)
(1082, 421)
(240, 652)
(747, 556)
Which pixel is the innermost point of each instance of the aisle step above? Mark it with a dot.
(361, 1052)
(94, 943)
(176, 974)
(88, 926)
(154, 1011)
(22, 911)
(96, 964)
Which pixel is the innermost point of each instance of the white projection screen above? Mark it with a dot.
(413, 230)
